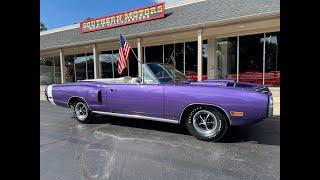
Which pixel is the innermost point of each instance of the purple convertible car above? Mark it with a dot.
(164, 94)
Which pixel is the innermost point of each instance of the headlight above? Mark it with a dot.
(270, 108)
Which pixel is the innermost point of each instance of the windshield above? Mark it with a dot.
(166, 73)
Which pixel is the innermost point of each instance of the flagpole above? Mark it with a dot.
(136, 57)
(134, 54)
(128, 66)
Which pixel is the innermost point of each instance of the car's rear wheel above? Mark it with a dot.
(82, 113)
(207, 123)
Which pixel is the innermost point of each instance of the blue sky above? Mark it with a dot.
(57, 13)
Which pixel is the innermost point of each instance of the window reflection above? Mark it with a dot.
(191, 64)
(179, 56)
(251, 58)
(46, 71)
(168, 51)
(69, 68)
(81, 66)
(57, 70)
(133, 63)
(204, 59)
(90, 66)
(154, 54)
(50, 72)
(226, 58)
(272, 54)
(115, 65)
(106, 64)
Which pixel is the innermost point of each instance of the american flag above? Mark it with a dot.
(124, 51)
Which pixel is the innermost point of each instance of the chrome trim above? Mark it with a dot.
(146, 68)
(137, 117)
(207, 105)
(270, 105)
(49, 94)
(80, 98)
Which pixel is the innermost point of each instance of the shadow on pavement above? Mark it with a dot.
(264, 132)
(140, 123)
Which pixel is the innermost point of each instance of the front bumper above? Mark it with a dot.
(49, 95)
(270, 106)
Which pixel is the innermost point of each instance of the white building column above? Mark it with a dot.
(212, 59)
(199, 54)
(96, 62)
(139, 47)
(62, 67)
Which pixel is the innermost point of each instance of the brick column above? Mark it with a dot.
(140, 61)
(62, 67)
(96, 62)
(212, 59)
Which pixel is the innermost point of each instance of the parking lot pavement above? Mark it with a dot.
(120, 148)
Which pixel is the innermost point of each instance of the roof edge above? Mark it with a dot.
(181, 28)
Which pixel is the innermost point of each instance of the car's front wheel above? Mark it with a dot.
(206, 123)
(82, 113)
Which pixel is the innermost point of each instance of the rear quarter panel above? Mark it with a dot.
(88, 91)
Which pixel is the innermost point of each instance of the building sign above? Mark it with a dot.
(129, 17)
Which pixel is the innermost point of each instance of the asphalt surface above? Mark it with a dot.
(120, 148)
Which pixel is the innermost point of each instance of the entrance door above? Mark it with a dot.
(133, 99)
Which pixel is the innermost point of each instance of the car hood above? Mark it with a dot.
(229, 84)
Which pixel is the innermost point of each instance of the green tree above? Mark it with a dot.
(42, 27)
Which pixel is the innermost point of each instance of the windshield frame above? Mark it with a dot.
(166, 68)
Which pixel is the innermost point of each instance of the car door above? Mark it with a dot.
(135, 99)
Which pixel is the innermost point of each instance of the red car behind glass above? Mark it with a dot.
(271, 78)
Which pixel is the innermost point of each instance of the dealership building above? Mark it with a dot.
(210, 39)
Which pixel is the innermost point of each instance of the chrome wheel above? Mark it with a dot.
(205, 122)
(81, 111)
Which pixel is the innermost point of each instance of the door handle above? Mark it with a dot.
(113, 90)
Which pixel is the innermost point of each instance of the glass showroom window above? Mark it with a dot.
(191, 63)
(46, 71)
(154, 54)
(272, 54)
(81, 66)
(90, 66)
(251, 58)
(57, 70)
(204, 59)
(106, 64)
(168, 51)
(84, 66)
(50, 72)
(133, 63)
(115, 56)
(226, 54)
(69, 68)
(176, 50)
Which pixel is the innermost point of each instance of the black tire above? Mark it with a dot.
(203, 131)
(84, 116)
